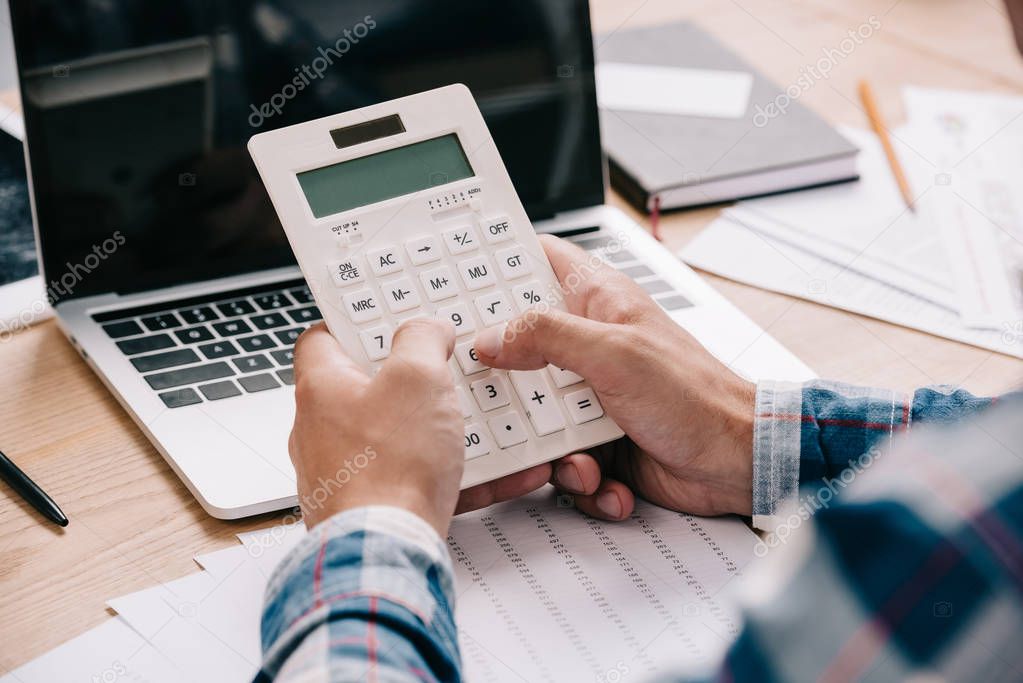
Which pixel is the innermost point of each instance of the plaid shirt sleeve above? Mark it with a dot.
(814, 432)
(366, 595)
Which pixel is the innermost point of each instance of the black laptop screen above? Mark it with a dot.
(137, 114)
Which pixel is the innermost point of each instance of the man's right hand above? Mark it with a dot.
(689, 419)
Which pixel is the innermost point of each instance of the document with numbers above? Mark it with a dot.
(545, 593)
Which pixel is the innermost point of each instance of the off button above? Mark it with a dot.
(496, 229)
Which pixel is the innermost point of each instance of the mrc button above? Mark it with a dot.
(496, 229)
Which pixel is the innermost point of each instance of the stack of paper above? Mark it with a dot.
(542, 593)
(953, 268)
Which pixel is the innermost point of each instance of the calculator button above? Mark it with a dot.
(346, 272)
(496, 229)
(583, 406)
(422, 250)
(476, 273)
(491, 392)
(459, 316)
(494, 308)
(540, 403)
(385, 261)
(461, 240)
(361, 306)
(468, 360)
(439, 284)
(463, 402)
(514, 263)
(400, 295)
(508, 430)
(563, 378)
(477, 442)
(377, 342)
(528, 295)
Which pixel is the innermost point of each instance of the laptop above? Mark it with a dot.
(168, 268)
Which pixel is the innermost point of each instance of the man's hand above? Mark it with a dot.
(393, 439)
(689, 419)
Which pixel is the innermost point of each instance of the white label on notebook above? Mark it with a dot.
(672, 90)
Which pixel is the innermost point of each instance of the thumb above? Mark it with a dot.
(537, 338)
(422, 346)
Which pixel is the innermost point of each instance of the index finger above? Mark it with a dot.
(581, 274)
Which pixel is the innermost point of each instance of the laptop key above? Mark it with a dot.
(305, 315)
(619, 256)
(673, 303)
(287, 375)
(194, 334)
(284, 356)
(252, 363)
(655, 286)
(161, 321)
(200, 314)
(235, 308)
(122, 329)
(159, 361)
(193, 375)
(273, 300)
(637, 271)
(220, 349)
(154, 342)
(257, 343)
(219, 390)
(269, 321)
(180, 397)
(302, 295)
(254, 383)
(289, 337)
(231, 328)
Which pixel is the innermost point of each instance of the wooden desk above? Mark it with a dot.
(133, 524)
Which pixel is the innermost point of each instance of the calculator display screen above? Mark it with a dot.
(385, 175)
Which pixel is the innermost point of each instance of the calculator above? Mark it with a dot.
(404, 209)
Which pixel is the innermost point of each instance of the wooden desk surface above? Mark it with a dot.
(133, 524)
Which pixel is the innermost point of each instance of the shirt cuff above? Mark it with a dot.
(776, 443)
(380, 551)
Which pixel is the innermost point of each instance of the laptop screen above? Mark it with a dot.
(137, 114)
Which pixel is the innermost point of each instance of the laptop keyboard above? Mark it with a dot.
(215, 347)
(229, 344)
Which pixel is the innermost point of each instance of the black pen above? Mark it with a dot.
(30, 491)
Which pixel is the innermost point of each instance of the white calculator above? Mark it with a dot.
(404, 209)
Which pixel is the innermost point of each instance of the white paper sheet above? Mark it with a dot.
(111, 651)
(542, 593)
(733, 251)
(673, 90)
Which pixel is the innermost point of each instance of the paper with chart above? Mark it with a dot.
(976, 140)
(542, 593)
(734, 251)
(864, 225)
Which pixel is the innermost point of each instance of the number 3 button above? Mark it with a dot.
(491, 392)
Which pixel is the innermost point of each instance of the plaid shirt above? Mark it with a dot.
(918, 570)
